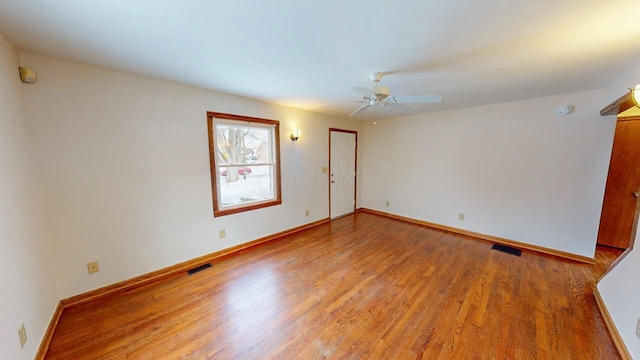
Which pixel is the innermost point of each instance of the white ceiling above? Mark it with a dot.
(309, 54)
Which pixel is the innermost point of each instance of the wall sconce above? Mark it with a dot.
(635, 95)
(27, 75)
(295, 134)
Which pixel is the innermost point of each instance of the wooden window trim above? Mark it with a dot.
(217, 211)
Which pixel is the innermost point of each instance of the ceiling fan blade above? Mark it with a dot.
(402, 108)
(364, 91)
(360, 109)
(419, 98)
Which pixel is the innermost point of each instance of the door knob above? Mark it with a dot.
(636, 194)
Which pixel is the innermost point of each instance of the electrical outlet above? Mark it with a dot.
(222, 234)
(93, 267)
(22, 334)
(306, 212)
(638, 329)
(461, 216)
(387, 203)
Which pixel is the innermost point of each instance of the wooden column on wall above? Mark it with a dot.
(617, 229)
(623, 184)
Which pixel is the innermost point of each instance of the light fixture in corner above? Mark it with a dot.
(295, 134)
(635, 95)
(565, 110)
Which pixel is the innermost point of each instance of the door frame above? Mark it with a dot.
(355, 168)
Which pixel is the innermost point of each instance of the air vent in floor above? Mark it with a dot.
(198, 269)
(507, 249)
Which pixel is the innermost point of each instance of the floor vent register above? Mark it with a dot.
(507, 249)
(198, 269)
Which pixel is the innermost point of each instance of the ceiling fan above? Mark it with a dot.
(380, 95)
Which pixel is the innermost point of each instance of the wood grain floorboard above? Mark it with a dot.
(359, 287)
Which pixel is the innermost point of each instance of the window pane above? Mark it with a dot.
(253, 184)
(243, 144)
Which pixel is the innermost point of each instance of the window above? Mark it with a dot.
(245, 162)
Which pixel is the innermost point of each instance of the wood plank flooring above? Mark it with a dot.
(359, 287)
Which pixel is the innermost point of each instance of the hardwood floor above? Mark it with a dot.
(360, 287)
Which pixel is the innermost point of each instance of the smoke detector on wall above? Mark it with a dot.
(565, 110)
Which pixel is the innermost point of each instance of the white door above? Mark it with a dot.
(342, 173)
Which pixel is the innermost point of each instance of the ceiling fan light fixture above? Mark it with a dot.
(635, 95)
(381, 91)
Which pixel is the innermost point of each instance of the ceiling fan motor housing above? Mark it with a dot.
(382, 92)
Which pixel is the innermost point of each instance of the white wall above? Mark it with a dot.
(621, 294)
(620, 289)
(29, 293)
(125, 165)
(516, 170)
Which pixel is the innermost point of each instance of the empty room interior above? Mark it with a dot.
(319, 180)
